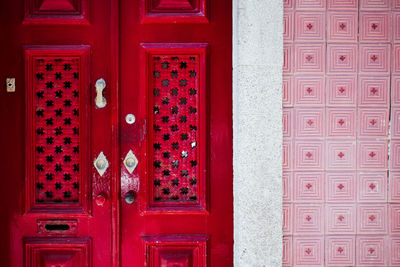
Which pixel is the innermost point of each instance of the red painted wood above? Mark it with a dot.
(74, 251)
(176, 250)
(115, 139)
(145, 217)
(32, 55)
(198, 119)
(92, 222)
(49, 12)
(170, 11)
(103, 230)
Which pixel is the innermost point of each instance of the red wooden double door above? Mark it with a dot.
(117, 141)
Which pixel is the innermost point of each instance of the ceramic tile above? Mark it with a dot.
(309, 26)
(341, 187)
(342, 58)
(341, 122)
(341, 90)
(342, 27)
(375, 27)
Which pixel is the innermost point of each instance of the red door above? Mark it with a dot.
(176, 80)
(117, 140)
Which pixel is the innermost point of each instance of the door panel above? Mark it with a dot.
(57, 129)
(175, 76)
(165, 11)
(56, 12)
(176, 250)
(68, 252)
(176, 127)
(53, 132)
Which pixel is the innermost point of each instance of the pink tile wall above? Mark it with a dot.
(341, 128)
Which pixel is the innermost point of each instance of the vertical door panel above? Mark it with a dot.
(57, 123)
(47, 211)
(176, 114)
(176, 81)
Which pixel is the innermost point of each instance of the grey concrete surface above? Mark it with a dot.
(257, 132)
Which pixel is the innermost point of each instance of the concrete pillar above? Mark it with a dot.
(257, 132)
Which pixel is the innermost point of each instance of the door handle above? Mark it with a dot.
(100, 100)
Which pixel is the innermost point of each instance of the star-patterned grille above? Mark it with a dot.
(175, 127)
(57, 129)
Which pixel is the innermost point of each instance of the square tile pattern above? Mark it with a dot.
(341, 130)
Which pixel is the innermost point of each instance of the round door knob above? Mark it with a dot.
(101, 164)
(100, 199)
(130, 118)
(129, 198)
(130, 162)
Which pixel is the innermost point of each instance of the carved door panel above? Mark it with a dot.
(176, 207)
(55, 204)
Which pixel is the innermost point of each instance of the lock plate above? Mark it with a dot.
(10, 85)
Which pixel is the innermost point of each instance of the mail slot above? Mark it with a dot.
(57, 227)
